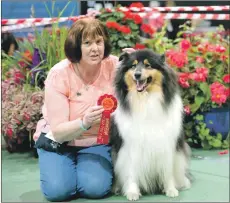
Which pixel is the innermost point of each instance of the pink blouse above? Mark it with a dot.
(63, 102)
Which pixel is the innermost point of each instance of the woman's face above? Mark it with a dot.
(92, 50)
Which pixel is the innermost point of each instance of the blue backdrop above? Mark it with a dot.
(23, 9)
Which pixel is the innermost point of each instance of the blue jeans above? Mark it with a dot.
(87, 173)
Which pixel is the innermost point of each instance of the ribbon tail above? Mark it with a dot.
(103, 133)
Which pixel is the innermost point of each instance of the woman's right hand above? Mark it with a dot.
(92, 115)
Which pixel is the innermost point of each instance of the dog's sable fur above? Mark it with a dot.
(148, 147)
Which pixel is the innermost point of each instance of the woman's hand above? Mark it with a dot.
(92, 115)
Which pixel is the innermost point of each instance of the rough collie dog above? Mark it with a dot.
(148, 148)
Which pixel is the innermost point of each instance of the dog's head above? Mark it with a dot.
(144, 71)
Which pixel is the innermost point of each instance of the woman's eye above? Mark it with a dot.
(86, 42)
(99, 41)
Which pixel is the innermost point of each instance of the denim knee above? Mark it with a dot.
(95, 187)
(94, 176)
(56, 191)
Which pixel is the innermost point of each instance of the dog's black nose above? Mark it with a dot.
(137, 75)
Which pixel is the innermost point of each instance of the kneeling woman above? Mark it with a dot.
(71, 163)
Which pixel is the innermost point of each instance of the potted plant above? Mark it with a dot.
(21, 110)
(202, 63)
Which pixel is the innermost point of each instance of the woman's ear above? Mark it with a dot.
(123, 56)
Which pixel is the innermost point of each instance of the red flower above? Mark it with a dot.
(226, 78)
(22, 64)
(183, 80)
(220, 49)
(185, 45)
(227, 92)
(199, 59)
(108, 10)
(124, 29)
(137, 18)
(18, 122)
(147, 29)
(223, 57)
(176, 58)
(187, 110)
(201, 48)
(137, 5)
(223, 152)
(139, 46)
(112, 24)
(9, 132)
(26, 116)
(133, 16)
(18, 77)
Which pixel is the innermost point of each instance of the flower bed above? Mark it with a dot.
(201, 61)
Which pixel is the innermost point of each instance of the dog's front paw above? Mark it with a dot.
(172, 192)
(133, 196)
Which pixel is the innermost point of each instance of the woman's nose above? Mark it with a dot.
(94, 46)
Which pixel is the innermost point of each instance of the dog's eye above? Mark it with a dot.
(133, 66)
(147, 66)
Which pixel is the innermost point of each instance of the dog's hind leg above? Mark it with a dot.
(180, 171)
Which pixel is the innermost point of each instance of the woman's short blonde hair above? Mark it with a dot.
(83, 29)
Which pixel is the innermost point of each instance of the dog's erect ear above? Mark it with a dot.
(123, 56)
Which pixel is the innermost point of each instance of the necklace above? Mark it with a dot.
(86, 85)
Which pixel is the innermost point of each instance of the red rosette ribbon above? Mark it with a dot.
(109, 102)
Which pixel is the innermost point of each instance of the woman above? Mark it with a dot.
(72, 118)
(9, 43)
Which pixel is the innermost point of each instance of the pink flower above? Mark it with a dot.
(199, 59)
(26, 116)
(226, 78)
(9, 132)
(220, 49)
(18, 77)
(187, 110)
(183, 80)
(185, 45)
(200, 75)
(179, 59)
(219, 94)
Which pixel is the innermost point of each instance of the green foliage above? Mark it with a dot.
(120, 39)
(181, 55)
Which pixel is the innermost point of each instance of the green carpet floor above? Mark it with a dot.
(20, 180)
